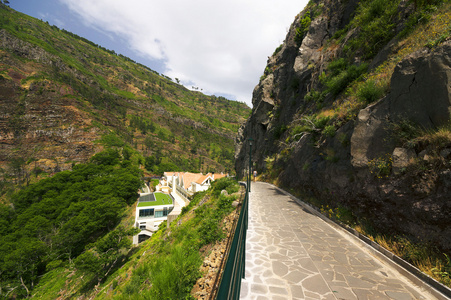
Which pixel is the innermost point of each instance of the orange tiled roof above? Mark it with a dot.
(202, 178)
(219, 176)
(188, 178)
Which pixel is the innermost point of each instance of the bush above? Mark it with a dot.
(381, 166)
(369, 91)
(337, 66)
(320, 123)
(316, 96)
(302, 30)
(341, 75)
(174, 274)
(278, 49)
(223, 184)
(375, 21)
(405, 132)
(210, 231)
(329, 130)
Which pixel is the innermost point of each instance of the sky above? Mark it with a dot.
(220, 47)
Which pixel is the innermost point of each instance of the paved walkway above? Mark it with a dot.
(293, 254)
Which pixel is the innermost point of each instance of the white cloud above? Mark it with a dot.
(220, 46)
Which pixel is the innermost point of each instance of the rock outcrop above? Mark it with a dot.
(420, 93)
(363, 165)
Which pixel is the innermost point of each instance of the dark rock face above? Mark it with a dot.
(421, 88)
(419, 203)
(416, 203)
(420, 93)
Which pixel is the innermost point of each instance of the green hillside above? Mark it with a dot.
(65, 98)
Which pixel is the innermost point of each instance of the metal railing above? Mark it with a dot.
(234, 270)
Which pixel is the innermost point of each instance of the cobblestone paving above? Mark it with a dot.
(293, 254)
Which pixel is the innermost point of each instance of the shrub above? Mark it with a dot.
(279, 131)
(381, 166)
(210, 231)
(375, 20)
(302, 30)
(321, 122)
(278, 49)
(341, 76)
(340, 213)
(316, 96)
(443, 272)
(405, 132)
(337, 66)
(369, 91)
(225, 183)
(329, 130)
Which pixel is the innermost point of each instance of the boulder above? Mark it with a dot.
(420, 88)
(420, 93)
(402, 158)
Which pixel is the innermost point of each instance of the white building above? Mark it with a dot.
(186, 184)
(152, 209)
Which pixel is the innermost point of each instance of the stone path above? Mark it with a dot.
(293, 254)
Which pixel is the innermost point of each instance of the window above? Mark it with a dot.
(158, 214)
(142, 227)
(143, 213)
(166, 211)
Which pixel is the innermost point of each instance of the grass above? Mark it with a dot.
(374, 21)
(425, 257)
(161, 199)
(377, 82)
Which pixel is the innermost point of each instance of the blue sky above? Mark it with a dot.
(219, 46)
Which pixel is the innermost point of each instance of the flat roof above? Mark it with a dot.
(154, 199)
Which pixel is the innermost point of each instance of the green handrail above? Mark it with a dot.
(234, 270)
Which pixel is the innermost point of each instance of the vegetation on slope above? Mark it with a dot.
(164, 267)
(52, 222)
(345, 86)
(112, 96)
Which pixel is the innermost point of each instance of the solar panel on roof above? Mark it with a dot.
(147, 198)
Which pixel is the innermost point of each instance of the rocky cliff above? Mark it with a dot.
(354, 108)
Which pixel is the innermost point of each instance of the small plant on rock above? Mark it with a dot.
(370, 91)
(381, 166)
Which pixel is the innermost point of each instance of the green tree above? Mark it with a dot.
(56, 218)
(102, 258)
(149, 163)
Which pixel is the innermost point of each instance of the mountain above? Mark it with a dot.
(353, 112)
(64, 99)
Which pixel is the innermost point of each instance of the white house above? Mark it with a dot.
(152, 209)
(203, 183)
(187, 184)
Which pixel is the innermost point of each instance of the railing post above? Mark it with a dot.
(250, 164)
